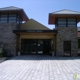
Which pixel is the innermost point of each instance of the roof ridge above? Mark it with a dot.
(77, 12)
(10, 7)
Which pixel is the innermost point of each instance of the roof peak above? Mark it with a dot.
(10, 8)
(65, 11)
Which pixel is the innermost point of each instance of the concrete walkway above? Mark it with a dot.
(39, 67)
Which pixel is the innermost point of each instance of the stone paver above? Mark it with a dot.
(40, 67)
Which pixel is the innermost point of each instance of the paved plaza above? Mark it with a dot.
(40, 67)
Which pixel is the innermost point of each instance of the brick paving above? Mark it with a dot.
(40, 67)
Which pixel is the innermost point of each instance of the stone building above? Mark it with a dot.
(33, 38)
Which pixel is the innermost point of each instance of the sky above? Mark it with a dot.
(39, 9)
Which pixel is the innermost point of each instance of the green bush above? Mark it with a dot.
(2, 51)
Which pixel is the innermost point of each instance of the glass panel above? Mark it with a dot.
(73, 25)
(12, 18)
(61, 25)
(72, 22)
(3, 19)
(40, 47)
(71, 19)
(33, 46)
(3, 15)
(27, 46)
(62, 22)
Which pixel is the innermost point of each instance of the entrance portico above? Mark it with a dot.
(36, 41)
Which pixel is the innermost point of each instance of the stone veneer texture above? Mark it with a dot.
(8, 38)
(67, 34)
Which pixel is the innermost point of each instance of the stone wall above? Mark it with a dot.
(67, 34)
(8, 38)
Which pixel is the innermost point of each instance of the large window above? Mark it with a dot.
(3, 19)
(66, 22)
(62, 22)
(72, 22)
(10, 18)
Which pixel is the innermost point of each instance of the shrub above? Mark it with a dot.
(2, 51)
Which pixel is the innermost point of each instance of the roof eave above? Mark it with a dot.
(20, 11)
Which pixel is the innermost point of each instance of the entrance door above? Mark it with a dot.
(26, 46)
(40, 46)
(67, 48)
(46, 46)
(35, 46)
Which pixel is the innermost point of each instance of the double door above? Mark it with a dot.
(35, 46)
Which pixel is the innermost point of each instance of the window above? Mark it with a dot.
(12, 18)
(62, 22)
(71, 22)
(3, 19)
(66, 22)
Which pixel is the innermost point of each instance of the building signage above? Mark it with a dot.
(34, 31)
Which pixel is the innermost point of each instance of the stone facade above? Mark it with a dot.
(66, 34)
(8, 38)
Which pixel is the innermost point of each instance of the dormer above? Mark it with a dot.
(64, 18)
(12, 15)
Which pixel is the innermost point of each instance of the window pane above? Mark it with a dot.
(62, 22)
(12, 20)
(71, 25)
(72, 22)
(12, 17)
(62, 25)
(71, 19)
(4, 15)
(3, 19)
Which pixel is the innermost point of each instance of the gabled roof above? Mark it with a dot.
(33, 25)
(10, 8)
(65, 11)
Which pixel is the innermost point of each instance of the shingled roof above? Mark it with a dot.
(10, 8)
(65, 11)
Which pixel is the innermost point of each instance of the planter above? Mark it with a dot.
(52, 53)
(19, 53)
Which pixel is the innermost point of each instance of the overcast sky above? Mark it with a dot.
(39, 9)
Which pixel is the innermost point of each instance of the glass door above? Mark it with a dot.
(27, 46)
(33, 46)
(40, 46)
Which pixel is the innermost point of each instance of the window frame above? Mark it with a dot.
(67, 25)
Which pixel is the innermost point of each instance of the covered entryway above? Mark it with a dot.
(36, 46)
(35, 38)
